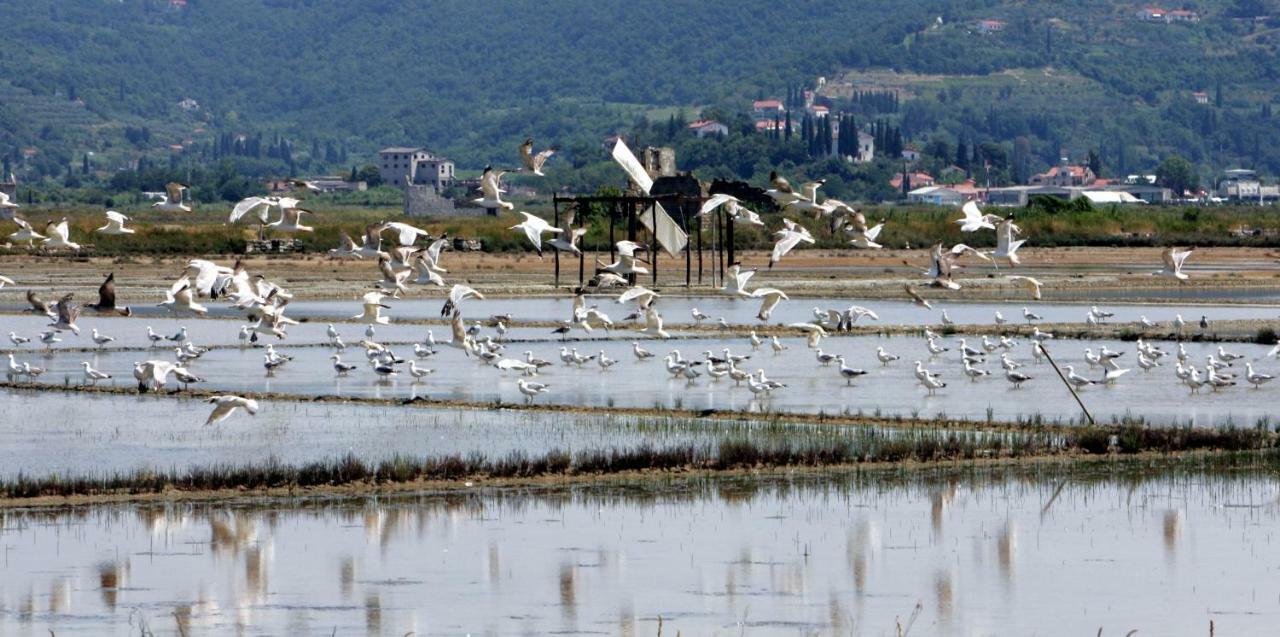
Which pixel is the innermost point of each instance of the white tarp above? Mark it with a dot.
(1110, 196)
(669, 235)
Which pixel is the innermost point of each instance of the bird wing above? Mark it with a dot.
(107, 292)
(636, 292)
(22, 223)
(541, 158)
(1032, 285)
(971, 213)
(116, 217)
(784, 245)
(460, 292)
(407, 234)
(489, 184)
(459, 332)
(345, 243)
(244, 206)
(714, 202)
(174, 190)
(1175, 258)
(67, 311)
(779, 182)
(627, 248)
(743, 276)
(915, 296)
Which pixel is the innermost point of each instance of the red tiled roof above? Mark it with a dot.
(763, 104)
(703, 122)
(768, 124)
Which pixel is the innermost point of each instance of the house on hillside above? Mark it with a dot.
(708, 128)
(1201, 97)
(1184, 15)
(988, 27)
(911, 153)
(404, 165)
(1152, 14)
(767, 110)
(769, 125)
(1064, 175)
(866, 148)
(914, 180)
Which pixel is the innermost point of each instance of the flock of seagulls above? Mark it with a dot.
(410, 257)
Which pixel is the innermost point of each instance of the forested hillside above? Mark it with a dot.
(318, 85)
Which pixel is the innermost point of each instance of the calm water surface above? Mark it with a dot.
(974, 556)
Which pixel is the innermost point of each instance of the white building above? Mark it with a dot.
(402, 165)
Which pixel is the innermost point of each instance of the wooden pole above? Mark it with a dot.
(555, 207)
(582, 262)
(1064, 382)
(653, 240)
(698, 220)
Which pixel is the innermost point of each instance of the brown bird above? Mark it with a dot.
(107, 298)
(915, 297)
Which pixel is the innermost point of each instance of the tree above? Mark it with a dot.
(1095, 163)
(370, 175)
(1178, 175)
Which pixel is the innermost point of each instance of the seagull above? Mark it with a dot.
(1000, 319)
(91, 375)
(626, 263)
(777, 345)
(107, 298)
(1228, 356)
(824, 358)
(418, 372)
(1076, 379)
(58, 235)
(972, 372)
(772, 297)
(457, 294)
(291, 220)
(916, 298)
(946, 320)
(973, 219)
(1006, 246)
(491, 190)
(1030, 316)
(1032, 285)
(392, 280)
(49, 338)
(18, 340)
(1173, 260)
(927, 378)
(533, 227)
(698, 315)
(340, 367)
(1100, 315)
(884, 357)
(604, 362)
(180, 299)
(534, 162)
(1204, 322)
(1145, 322)
(172, 201)
(789, 237)
(566, 240)
(372, 307)
(530, 389)
(4, 200)
(68, 312)
(736, 283)
(25, 232)
(1178, 323)
(1256, 378)
(226, 405)
(863, 237)
(1016, 377)
(849, 373)
(640, 352)
(115, 224)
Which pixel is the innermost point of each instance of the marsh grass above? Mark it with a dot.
(772, 443)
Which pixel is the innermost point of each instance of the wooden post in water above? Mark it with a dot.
(653, 240)
(582, 223)
(698, 220)
(1064, 382)
(555, 207)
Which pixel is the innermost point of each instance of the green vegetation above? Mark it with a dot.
(813, 447)
(333, 81)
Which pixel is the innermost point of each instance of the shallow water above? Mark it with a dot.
(678, 310)
(80, 435)
(891, 390)
(1163, 555)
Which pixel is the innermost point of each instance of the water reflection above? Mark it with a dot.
(760, 556)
